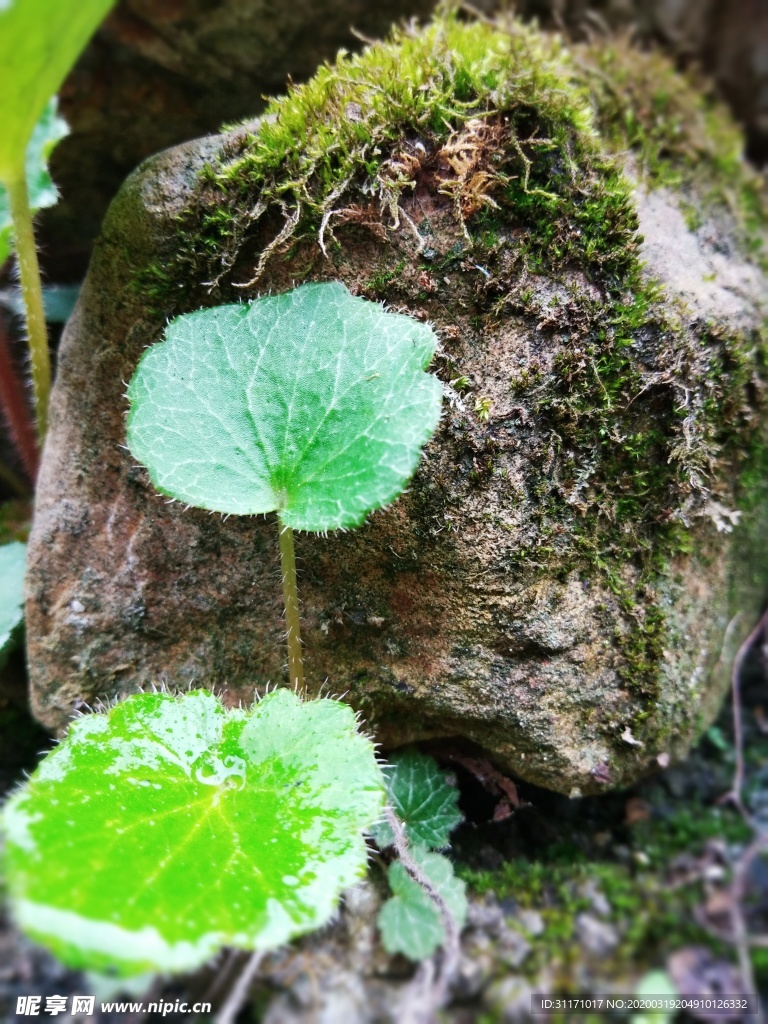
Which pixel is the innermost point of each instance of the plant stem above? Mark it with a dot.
(32, 293)
(15, 409)
(437, 990)
(291, 599)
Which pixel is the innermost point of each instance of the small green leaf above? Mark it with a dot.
(170, 826)
(422, 800)
(49, 130)
(655, 983)
(12, 565)
(313, 404)
(39, 43)
(410, 922)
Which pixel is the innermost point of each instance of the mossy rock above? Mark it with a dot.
(564, 583)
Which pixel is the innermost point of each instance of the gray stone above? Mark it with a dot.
(329, 999)
(597, 898)
(531, 921)
(476, 966)
(597, 938)
(510, 998)
(487, 916)
(513, 948)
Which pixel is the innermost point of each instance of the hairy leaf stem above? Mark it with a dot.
(32, 293)
(291, 599)
(452, 945)
(18, 416)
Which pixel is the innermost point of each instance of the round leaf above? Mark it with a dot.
(170, 827)
(49, 130)
(39, 43)
(313, 403)
(12, 565)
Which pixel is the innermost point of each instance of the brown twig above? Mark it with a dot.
(236, 998)
(493, 782)
(221, 978)
(734, 794)
(740, 936)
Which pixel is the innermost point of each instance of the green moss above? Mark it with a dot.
(677, 131)
(672, 125)
(342, 134)
(652, 917)
(378, 284)
(344, 137)
(638, 459)
(333, 148)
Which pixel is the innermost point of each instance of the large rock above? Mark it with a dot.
(578, 554)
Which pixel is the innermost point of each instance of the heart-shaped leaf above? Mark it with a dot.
(421, 798)
(410, 922)
(313, 403)
(12, 565)
(39, 43)
(49, 130)
(170, 826)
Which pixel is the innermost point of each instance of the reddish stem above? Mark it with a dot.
(17, 413)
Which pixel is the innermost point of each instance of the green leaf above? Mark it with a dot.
(655, 983)
(170, 826)
(410, 922)
(12, 565)
(40, 40)
(421, 798)
(49, 130)
(313, 404)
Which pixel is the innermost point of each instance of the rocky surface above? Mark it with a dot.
(563, 584)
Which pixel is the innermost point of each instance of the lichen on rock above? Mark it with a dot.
(557, 585)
